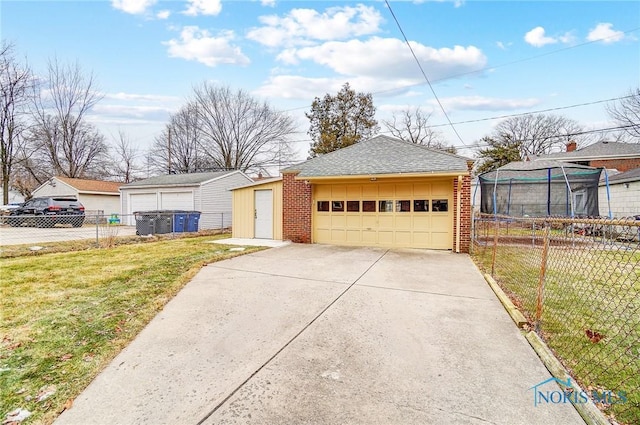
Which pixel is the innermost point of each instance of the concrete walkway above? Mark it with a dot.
(313, 334)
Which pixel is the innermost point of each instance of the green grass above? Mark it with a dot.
(65, 315)
(585, 289)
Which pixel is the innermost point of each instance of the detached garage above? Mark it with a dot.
(205, 192)
(380, 192)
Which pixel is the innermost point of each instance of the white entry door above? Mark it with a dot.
(263, 214)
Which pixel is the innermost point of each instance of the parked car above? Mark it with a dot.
(47, 211)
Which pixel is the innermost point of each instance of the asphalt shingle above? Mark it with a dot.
(193, 179)
(597, 151)
(381, 155)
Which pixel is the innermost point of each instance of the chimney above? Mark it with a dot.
(571, 146)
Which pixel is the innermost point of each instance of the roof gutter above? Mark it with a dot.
(374, 177)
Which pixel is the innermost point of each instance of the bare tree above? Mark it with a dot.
(62, 142)
(177, 148)
(412, 125)
(124, 165)
(16, 81)
(537, 134)
(238, 132)
(626, 112)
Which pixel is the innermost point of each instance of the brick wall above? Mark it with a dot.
(296, 209)
(621, 165)
(465, 211)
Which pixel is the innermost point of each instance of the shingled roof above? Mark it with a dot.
(192, 179)
(599, 150)
(381, 155)
(85, 185)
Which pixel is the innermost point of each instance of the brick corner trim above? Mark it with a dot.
(296, 209)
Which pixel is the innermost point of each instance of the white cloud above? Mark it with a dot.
(151, 113)
(537, 38)
(301, 26)
(141, 97)
(199, 45)
(480, 103)
(389, 58)
(163, 14)
(135, 7)
(306, 88)
(268, 3)
(605, 33)
(203, 7)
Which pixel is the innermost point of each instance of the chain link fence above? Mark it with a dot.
(105, 229)
(577, 281)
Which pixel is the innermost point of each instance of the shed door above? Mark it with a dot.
(415, 214)
(263, 214)
(143, 202)
(176, 201)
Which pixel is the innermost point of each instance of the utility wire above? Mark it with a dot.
(424, 74)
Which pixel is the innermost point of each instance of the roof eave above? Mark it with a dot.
(452, 173)
(94, 192)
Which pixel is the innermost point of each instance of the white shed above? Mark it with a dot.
(97, 196)
(208, 193)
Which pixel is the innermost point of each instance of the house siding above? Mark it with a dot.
(296, 209)
(215, 200)
(625, 201)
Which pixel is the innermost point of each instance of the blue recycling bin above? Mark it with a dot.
(193, 218)
(180, 221)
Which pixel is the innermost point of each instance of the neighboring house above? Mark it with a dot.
(611, 155)
(207, 193)
(97, 196)
(624, 194)
(380, 192)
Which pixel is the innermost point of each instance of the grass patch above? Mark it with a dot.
(586, 291)
(65, 315)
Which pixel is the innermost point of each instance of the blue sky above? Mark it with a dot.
(485, 59)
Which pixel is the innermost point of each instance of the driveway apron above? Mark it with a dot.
(316, 334)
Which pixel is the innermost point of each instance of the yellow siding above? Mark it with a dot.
(402, 226)
(243, 210)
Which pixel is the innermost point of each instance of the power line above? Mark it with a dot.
(488, 68)
(535, 112)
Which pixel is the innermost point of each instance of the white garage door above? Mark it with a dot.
(413, 214)
(176, 201)
(143, 202)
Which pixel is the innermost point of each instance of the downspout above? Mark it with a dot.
(458, 214)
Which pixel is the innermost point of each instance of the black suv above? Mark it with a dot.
(48, 211)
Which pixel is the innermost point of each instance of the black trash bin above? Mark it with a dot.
(145, 223)
(153, 222)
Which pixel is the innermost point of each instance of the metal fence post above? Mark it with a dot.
(97, 232)
(542, 277)
(495, 248)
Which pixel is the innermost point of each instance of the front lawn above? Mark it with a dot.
(64, 316)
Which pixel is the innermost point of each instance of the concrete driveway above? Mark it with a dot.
(34, 235)
(313, 334)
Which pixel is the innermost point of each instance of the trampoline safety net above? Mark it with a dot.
(528, 189)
